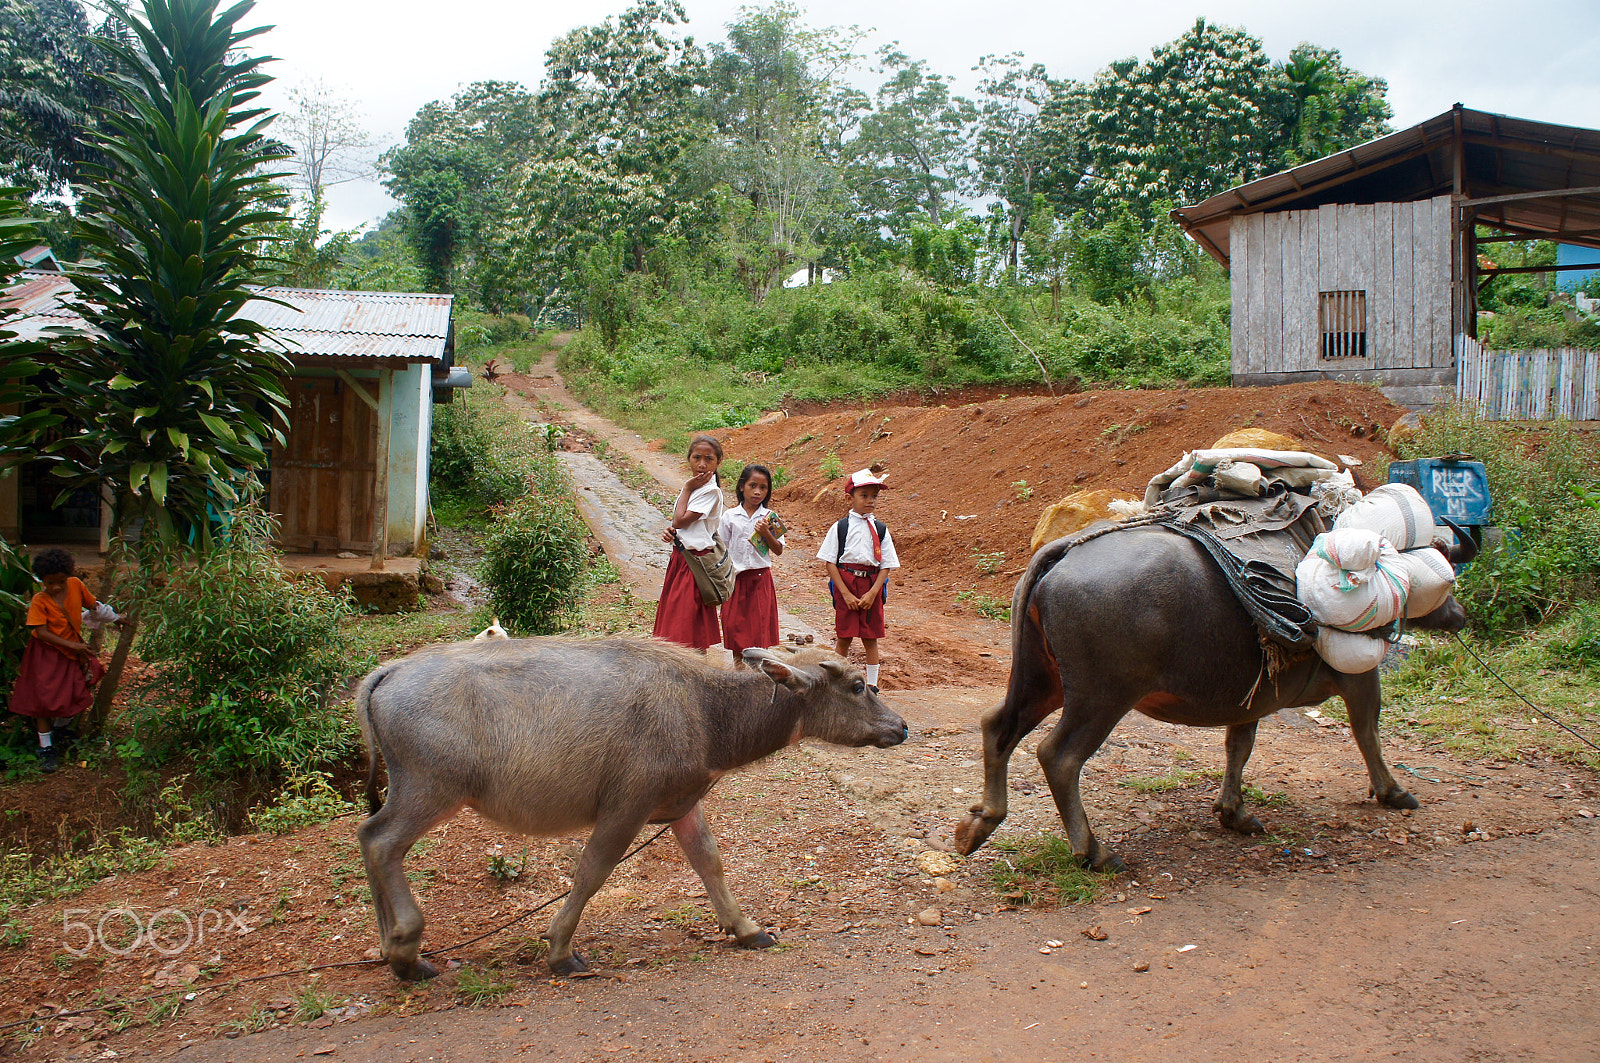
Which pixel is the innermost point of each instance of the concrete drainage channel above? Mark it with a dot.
(629, 531)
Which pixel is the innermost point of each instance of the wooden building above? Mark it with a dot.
(1365, 265)
(352, 474)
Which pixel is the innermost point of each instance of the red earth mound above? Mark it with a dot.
(969, 482)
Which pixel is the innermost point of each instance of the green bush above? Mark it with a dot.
(534, 557)
(244, 663)
(1550, 554)
(478, 456)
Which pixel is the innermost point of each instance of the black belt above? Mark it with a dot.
(860, 570)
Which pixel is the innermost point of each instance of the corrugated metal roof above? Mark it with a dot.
(1500, 155)
(330, 324)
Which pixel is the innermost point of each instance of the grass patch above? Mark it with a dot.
(382, 637)
(1176, 779)
(24, 880)
(1440, 695)
(1033, 867)
(479, 988)
(1257, 796)
(986, 605)
(311, 1002)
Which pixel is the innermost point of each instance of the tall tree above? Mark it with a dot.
(324, 130)
(1334, 107)
(909, 156)
(772, 89)
(1203, 113)
(174, 391)
(451, 171)
(1012, 148)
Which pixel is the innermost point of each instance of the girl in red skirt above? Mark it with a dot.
(750, 617)
(57, 668)
(859, 555)
(681, 615)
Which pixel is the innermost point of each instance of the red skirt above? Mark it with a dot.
(858, 623)
(681, 616)
(51, 683)
(750, 617)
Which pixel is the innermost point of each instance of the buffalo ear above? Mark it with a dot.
(775, 669)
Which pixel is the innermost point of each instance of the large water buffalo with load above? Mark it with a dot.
(550, 736)
(1144, 619)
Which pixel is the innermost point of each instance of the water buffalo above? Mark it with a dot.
(549, 736)
(1143, 619)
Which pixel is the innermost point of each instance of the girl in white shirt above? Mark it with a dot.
(750, 617)
(681, 615)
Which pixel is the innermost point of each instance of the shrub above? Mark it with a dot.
(475, 456)
(244, 662)
(534, 557)
(1550, 554)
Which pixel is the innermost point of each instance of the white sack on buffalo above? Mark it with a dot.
(1396, 512)
(1352, 599)
(1349, 651)
(1430, 576)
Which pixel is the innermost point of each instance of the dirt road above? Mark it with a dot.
(1398, 939)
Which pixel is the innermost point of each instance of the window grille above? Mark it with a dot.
(1342, 317)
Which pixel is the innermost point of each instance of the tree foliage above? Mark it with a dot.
(51, 95)
(175, 393)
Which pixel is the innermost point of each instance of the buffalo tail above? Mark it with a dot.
(368, 737)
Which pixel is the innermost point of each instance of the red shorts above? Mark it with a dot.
(681, 615)
(750, 617)
(858, 623)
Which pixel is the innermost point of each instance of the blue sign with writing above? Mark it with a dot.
(1455, 489)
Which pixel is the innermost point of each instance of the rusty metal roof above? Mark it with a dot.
(1500, 156)
(322, 323)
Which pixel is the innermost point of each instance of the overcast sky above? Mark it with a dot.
(393, 56)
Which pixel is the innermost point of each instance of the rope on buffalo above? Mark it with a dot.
(1579, 736)
(235, 983)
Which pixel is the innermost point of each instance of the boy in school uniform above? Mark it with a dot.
(859, 554)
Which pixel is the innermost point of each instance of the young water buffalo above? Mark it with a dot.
(1144, 619)
(549, 736)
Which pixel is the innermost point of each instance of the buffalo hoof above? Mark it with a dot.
(1241, 821)
(417, 970)
(759, 940)
(1399, 799)
(568, 965)
(973, 831)
(1109, 863)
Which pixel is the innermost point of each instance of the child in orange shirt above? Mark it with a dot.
(58, 668)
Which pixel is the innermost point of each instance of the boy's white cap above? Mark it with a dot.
(864, 478)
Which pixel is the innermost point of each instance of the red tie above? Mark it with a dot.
(877, 544)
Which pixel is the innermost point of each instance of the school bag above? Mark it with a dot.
(842, 530)
(712, 571)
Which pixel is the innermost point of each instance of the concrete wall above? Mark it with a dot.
(1397, 253)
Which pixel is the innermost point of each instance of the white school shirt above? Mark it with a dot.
(857, 545)
(707, 504)
(737, 527)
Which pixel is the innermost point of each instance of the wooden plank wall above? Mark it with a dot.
(1398, 253)
(1536, 385)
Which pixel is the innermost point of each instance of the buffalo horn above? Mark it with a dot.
(1466, 547)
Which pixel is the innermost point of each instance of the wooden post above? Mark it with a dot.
(380, 479)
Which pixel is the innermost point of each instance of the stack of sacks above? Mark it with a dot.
(1244, 472)
(1377, 566)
